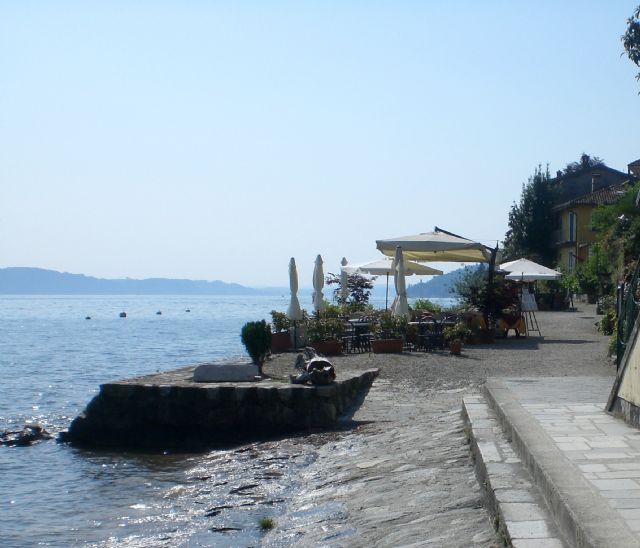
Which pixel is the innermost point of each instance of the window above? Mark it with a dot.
(572, 226)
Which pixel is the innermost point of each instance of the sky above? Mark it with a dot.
(215, 140)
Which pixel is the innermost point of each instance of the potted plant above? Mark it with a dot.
(456, 335)
(256, 337)
(325, 335)
(389, 332)
(280, 336)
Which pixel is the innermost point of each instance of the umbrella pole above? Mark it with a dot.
(295, 336)
(386, 295)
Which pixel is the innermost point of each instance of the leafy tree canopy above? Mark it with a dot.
(531, 221)
(359, 289)
(631, 39)
(585, 162)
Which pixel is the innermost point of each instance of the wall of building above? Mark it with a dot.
(584, 235)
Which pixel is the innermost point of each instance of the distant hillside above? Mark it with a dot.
(439, 286)
(38, 281)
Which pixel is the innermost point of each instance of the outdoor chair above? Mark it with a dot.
(431, 336)
(358, 336)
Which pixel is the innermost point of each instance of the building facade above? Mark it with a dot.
(578, 195)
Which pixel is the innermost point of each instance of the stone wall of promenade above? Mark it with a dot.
(170, 410)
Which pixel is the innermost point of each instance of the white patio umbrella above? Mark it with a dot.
(436, 246)
(525, 270)
(344, 281)
(386, 266)
(400, 307)
(318, 284)
(294, 311)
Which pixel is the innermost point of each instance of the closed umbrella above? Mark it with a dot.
(344, 282)
(294, 312)
(400, 306)
(318, 284)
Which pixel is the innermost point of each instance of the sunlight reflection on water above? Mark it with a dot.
(52, 362)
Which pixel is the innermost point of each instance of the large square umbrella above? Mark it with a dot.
(438, 246)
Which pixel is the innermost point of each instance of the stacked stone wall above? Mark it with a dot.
(146, 412)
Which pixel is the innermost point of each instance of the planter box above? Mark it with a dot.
(387, 346)
(328, 348)
(280, 342)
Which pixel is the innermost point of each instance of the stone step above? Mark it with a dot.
(543, 418)
(521, 516)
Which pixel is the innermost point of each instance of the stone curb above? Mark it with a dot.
(520, 515)
(583, 516)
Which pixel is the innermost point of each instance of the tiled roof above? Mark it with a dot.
(636, 163)
(604, 196)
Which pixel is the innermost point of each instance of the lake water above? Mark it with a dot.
(52, 361)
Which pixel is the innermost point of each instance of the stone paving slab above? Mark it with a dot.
(584, 462)
(521, 516)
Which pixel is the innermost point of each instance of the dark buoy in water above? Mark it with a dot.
(188, 310)
(87, 317)
(159, 313)
(123, 314)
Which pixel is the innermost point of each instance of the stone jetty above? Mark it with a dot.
(170, 410)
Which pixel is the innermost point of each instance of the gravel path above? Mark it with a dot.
(399, 471)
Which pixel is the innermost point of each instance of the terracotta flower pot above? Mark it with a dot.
(387, 346)
(328, 348)
(455, 348)
(280, 342)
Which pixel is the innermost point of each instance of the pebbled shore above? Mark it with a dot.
(399, 473)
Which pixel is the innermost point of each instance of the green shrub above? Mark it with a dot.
(607, 323)
(256, 337)
(459, 332)
(425, 305)
(388, 326)
(266, 523)
(324, 329)
(331, 310)
(280, 322)
(613, 340)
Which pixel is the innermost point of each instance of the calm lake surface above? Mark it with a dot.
(52, 361)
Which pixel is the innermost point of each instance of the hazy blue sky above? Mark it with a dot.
(215, 140)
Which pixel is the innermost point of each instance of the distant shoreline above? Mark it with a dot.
(40, 281)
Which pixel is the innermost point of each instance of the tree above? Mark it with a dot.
(359, 290)
(618, 229)
(585, 162)
(631, 39)
(256, 337)
(594, 275)
(531, 221)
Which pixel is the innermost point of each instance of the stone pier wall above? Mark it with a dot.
(170, 410)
